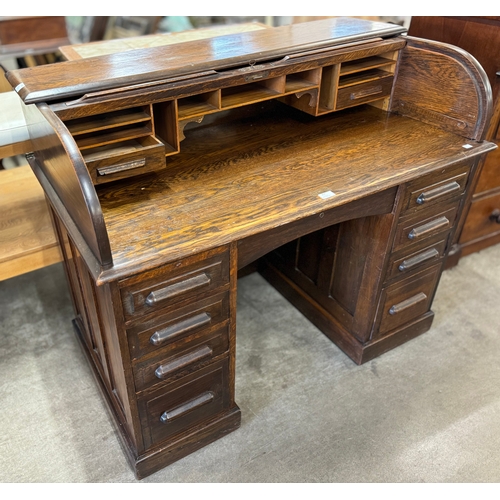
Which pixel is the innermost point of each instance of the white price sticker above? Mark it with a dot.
(326, 195)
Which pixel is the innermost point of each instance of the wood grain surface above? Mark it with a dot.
(106, 47)
(264, 167)
(75, 78)
(335, 192)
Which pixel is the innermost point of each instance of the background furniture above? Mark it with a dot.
(480, 36)
(31, 35)
(31, 41)
(27, 238)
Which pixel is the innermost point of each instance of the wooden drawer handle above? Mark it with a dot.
(397, 308)
(180, 328)
(425, 229)
(432, 194)
(192, 404)
(163, 371)
(177, 288)
(418, 259)
(365, 93)
(257, 76)
(122, 167)
(495, 216)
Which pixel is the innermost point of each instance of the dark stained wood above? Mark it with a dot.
(185, 444)
(253, 247)
(361, 277)
(31, 29)
(177, 323)
(184, 279)
(67, 175)
(330, 326)
(191, 200)
(371, 237)
(181, 397)
(479, 244)
(431, 190)
(209, 81)
(477, 35)
(480, 36)
(406, 300)
(182, 358)
(490, 175)
(116, 384)
(73, 78)
(409, 262)
(255, 163)
(30, 35)
(144, 464)
(479, 223)
(454, 80)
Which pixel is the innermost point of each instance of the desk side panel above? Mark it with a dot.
(60, 168)
(443, 85)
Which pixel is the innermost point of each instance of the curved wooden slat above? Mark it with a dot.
(57, 161)
(443, 85)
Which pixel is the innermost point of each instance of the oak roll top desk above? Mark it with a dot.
(341, 155)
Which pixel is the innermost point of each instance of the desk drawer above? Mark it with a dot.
(483, 218)
(157, 335)
(405, 263)
(364, 92)
(405, 301)
(174, 283)
(185, 403)
(124, 159)
(411, 232)
(430, 190)
(182, 357)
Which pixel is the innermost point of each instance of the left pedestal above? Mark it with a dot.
(161, 346)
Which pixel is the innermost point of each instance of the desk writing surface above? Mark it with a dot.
(262, 172)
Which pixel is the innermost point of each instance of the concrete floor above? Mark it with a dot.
(426, 412)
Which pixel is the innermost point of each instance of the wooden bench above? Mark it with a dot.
(27, 238)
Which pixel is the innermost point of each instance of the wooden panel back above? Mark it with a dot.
(444, 86)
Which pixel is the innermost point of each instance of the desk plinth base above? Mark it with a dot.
(158, 457)
(360, 353)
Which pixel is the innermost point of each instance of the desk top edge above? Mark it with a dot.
(447, 149)
(75, 78)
